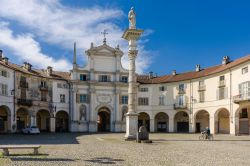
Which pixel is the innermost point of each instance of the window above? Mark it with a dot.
(124, 99)
(104, 78)
(43, 84)
(244, 89)
(222, 78)
(83, 98)
(181, 99)
(244, 70)
(4, 89)
(181, 87)
(244, 113)
(222, 93)
(201, 83)
(59, 85)
(143, 101)
(4, 73)
(124, 79)
(83, 77)
(43, 96)
(161, 100)
(161, 88)
(202, 96)
(62, 98)
(143, 89)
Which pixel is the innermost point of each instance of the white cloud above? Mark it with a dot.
(60, 25)
(26, 48)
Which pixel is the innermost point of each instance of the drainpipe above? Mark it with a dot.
(70, 105)
(231, 109)
(14, 99)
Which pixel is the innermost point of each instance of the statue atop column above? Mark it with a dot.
(132, 18)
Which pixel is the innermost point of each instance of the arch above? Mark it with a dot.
(43, 120)
(104, 119)
(222, 121)
(161, 122)
(5, 119)
(23, 119)
(201, 119)
(181, 122)
(62, 121)
(144, 120)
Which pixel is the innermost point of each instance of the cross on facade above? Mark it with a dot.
(104, 35)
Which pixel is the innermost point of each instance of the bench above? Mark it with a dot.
(7, 147)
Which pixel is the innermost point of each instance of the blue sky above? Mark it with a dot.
(179, 34)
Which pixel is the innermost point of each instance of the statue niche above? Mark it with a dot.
(83, 113)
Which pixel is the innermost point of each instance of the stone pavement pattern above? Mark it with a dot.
(111, 149)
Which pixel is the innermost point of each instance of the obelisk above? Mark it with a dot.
(132, 35)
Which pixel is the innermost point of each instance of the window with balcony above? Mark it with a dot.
(244, 70)
(161, 100)
(244, 89)
(124, 79)
(104, 78)
(4, 89)
(62, 98)
(143, 89)
(142, 101)
(83, 77)
(124, 99)
(43, 96)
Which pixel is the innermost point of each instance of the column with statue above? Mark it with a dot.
(132, 34)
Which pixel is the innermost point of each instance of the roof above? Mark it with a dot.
(144, 79)
(37, 72)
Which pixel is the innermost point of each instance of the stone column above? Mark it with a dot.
(52, 124)
(152, 125)
(171, 124)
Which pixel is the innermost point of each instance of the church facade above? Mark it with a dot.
(94, 97)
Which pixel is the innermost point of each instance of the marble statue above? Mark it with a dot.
(83, 112)
(132, 18)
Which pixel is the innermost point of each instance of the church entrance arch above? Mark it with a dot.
(103, 120)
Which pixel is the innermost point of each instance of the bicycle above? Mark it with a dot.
(204, 136)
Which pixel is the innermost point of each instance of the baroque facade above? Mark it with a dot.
(94, 98)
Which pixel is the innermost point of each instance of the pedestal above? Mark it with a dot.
(131, 126)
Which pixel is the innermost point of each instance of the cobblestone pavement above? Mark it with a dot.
(111, 149)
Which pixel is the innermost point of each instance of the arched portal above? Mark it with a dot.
(103, 120)
(62, 121)
(43, 120)
(161, 122)
(222, 122)
(23, 119)
(5, 121)
(201, 121)
(181, 122)
(144, 120)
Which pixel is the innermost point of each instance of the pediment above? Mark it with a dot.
(104, 50)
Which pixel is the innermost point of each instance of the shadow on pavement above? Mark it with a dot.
(104, 160)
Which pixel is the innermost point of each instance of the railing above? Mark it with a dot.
(221, 83)
(24, 84)
(241, 97)
(43, 87)
(180, 106)
(181, 90)
(24, 102)
(202, 88)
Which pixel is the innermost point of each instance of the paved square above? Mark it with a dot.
(111, 149)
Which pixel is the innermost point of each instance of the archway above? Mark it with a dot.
(43, 120)
(181, 122)
(5, 121)
(144, 120)
(23, 119)
(103, 120)
(201, 121)
(161, 122)
(222, 121)
(62, 121)
(243, 115)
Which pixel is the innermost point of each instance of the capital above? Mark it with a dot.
(132, 53)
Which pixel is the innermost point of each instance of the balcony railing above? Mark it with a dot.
(202, 88)
(222, 83)
(43, 87)
(24, 84)
(241, 97)
(24, 102)
(181, 90)
(180, 106)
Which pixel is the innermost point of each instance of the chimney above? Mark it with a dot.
(151, 74)
(1, 54)
(225, 60)
(5, 60)
(27, 66)
(198, 68)
(49, 70)
(174, 72)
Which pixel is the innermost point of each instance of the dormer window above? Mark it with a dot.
(124, 79)
(83, 77)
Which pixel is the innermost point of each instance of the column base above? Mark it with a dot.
(131, 126)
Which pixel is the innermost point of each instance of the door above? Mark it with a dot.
(244, 127)
(182, 127)
(198, 128)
